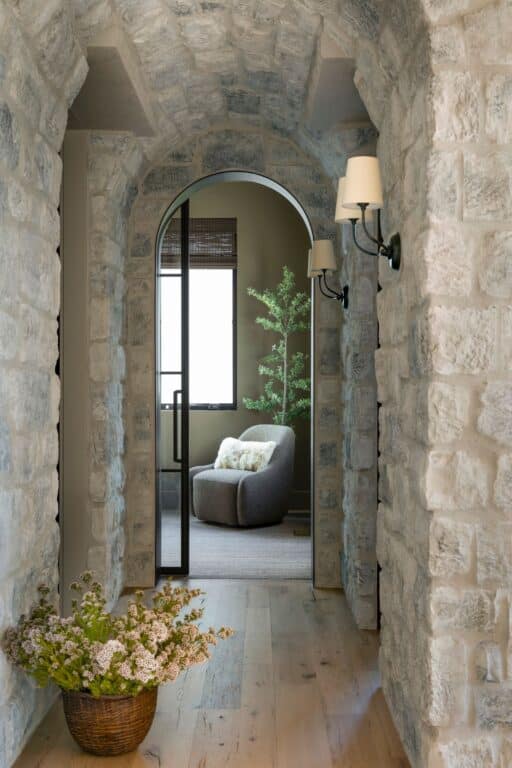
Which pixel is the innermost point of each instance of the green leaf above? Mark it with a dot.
(288, 313)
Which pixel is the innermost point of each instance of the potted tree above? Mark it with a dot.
(109, 666)
(287, 386)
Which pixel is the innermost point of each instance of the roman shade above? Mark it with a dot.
(212, 244)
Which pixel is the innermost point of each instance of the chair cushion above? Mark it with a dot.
(244, 454)
(215, 494)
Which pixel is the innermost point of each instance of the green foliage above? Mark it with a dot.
(106, 654)
(286, 389)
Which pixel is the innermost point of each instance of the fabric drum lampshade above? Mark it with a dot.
(362, 183)
(322, 256)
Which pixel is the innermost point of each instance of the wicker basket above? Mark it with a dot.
(109, 725)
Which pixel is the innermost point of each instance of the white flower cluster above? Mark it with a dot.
(103, 654)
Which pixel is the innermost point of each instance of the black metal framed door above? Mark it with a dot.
(172, 400)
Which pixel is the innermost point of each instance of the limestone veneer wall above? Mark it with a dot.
(443, 379)
(113, 162)
(222, 148)
(359, 432)
(39, 77)
(434, 76)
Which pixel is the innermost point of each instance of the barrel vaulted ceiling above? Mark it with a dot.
(256, 62)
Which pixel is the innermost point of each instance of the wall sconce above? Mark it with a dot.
(360, 192)
(321, 258)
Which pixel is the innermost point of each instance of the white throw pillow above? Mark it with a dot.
(244, 454)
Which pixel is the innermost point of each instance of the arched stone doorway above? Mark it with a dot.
(425, 71)
(279, 167)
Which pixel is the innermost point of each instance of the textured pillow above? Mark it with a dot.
(244, 454)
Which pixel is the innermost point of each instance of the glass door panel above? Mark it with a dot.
(172, 396)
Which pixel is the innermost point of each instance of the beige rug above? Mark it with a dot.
(273, 552)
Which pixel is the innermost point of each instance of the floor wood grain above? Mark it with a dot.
(297, 687)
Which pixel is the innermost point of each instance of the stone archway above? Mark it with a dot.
(210, 153)
(434, 77)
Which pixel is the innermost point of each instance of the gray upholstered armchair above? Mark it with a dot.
(239, 498)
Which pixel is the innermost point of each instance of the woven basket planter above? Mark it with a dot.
(109, 725)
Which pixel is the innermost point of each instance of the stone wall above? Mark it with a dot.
(113, 162)
(444, 383)
(359, 432)
(435, 77)
(244, 149)
(467, 258)
(38, 79)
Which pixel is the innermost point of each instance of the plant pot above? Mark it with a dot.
(109, 725)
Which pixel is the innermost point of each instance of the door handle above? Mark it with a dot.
(175, 394)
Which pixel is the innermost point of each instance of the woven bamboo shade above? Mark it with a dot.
(212, 244)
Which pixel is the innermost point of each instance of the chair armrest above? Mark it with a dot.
(263, 496)
(196, 470)
(193, 471)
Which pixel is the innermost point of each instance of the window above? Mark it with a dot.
(212, 313)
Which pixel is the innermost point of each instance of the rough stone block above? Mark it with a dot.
(444, 262)
(361, 451)
(495, 418)
(241, 102)
(106, 362)
(168, 179)
(503, 484)
(9, 138)
(498, 118)
(506, 753)
(31, 398)
(363, 407)
(329, 351)
(506, 337)
(329, 417)
(455, 105)
(328, 455)
(487, 33)
(231, 149)
(465, 339)
(495, 275)
(488, 186)
(37, 337)
(5, 447)
(448, 44)
(493, 706)
(140, 321)
(450, 548)
(327, 497)
(26, 90)
(461, 610)
(447, 412)
(494, 555)
(489, 662)
(470, 753)
(100, 318)
(204, 32)
(442, 183)
(448, 676)
(456, 481)
(360, 363)
(8, 337)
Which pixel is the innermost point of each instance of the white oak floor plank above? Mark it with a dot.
(298, 689)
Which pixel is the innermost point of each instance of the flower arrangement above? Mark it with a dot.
(102, 654)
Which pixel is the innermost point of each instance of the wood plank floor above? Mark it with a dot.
(296, 687)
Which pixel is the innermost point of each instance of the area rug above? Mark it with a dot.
(273, 552)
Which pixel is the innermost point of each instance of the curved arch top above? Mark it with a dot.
(227, 176)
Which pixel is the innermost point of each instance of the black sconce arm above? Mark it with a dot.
(343, 296)
(391, 251)
(358, 244)
(377, 241)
